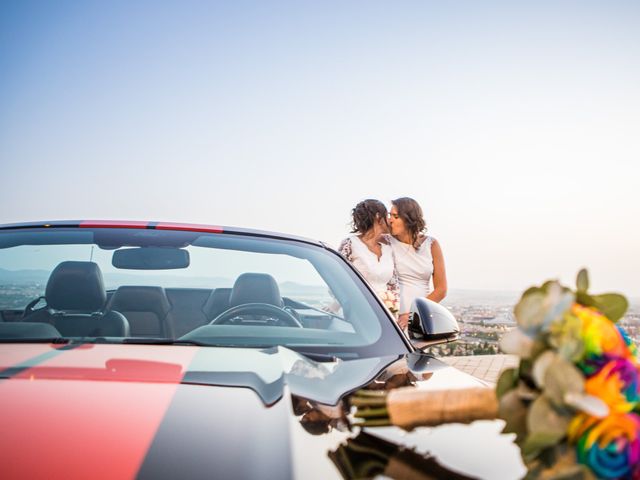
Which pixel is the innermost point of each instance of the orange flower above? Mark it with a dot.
(616, 384)
(600, 335)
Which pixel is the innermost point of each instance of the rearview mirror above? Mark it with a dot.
(150, 258)
(430, 323)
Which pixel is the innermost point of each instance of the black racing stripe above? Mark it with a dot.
(269, 393)
(221, 431)
(34, 361)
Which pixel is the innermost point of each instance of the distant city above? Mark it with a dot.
(15, 296)
(485, 316)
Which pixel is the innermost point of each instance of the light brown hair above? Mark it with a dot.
(410, 212)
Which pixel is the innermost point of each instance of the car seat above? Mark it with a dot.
(255, 288)
(146, 308)
(75, 303)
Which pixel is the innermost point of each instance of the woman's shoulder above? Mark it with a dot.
(349, 239)
(426, 241)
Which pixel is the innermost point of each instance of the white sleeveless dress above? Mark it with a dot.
(380, 273)
(414, 268)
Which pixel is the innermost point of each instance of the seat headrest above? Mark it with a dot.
(140, 299)
(255, 288)
(76, 286)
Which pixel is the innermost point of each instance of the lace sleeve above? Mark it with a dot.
(391, 296)
(393, 286)
(430, 240)
(426, 240)
(346, 250)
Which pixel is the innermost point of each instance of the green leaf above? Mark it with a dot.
(529, 311)
(507, 381)
(585, 299)
(562, 377)
(514, 412)
(538, 308)
(582, 282)
(589, 404)
(541, 365)
(545, 286)
(538, 441)
(566, 337)
(557, 302)
(611, 305)
(530, 290)
(544, 419)
(515, 342)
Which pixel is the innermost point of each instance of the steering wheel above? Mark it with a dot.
(257, 309)
(29, 309)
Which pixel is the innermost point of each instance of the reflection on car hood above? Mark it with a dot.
(159, 411)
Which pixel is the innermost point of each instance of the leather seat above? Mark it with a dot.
(76, 298)
(255, 288)
(187, 308)
(217, 303)
(146, 308)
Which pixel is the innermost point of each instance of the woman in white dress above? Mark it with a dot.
(368, 249)
(418, 257)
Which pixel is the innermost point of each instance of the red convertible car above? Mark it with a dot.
(161, 350)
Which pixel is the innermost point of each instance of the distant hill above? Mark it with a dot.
(23, 276)
(114, 279)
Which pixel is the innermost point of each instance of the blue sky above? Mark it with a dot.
(515, 124)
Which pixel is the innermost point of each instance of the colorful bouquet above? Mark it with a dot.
(575, 393)
(573, 401)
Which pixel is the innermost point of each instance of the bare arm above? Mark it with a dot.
(439, 274)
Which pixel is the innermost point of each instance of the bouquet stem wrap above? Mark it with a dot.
(409, 407)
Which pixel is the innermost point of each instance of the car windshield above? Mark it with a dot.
(127, 285)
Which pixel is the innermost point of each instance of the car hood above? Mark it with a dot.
(124, 411)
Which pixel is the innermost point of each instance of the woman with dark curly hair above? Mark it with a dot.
(418, 256)
(368, 249)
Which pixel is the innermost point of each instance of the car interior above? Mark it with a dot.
(76, 304)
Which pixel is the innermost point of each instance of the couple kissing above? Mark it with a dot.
(393, 252)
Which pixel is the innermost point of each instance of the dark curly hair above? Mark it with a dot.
(365, 214)
(410, 212)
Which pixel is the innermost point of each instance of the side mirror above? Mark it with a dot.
(430, 323)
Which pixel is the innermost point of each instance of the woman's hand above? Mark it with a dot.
(334, 307)
(403, 321)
